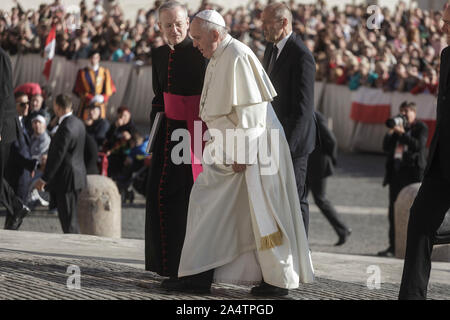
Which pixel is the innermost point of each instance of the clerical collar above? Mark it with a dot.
(221, 47)
(182, 44)
(282, 43)
(61, 119)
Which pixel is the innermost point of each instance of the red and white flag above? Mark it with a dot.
(370, 105)
(49, 51)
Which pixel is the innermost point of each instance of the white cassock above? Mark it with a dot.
(245, 225)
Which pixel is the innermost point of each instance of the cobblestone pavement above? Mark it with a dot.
(25, 276)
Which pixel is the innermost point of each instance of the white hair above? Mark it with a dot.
(169, 5)
(210, 26)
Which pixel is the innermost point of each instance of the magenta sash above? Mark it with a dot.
(187, 108)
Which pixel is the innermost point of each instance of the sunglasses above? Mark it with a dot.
(24, 104)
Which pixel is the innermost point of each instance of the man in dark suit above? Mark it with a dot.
(320, 166)
(65, 171)
(21, 165)
(15, 208)
(432, 200)
(406, 147)
(291, 68)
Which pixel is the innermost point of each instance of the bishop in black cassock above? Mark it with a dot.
(178, 73)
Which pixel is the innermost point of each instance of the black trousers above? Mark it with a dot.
(7, 196)
(300, 168)
(4, 155)
(66, 203)
(318, 190)
(426, 215)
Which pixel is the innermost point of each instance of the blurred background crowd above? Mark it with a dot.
(398, 51)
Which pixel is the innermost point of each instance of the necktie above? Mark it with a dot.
(273, 58)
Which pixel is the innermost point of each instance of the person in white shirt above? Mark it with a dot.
(40, 142)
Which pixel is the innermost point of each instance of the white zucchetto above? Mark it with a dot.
(211, 16)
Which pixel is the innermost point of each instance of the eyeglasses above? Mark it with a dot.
(24, 104)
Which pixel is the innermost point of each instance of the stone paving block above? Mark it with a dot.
(30, 277)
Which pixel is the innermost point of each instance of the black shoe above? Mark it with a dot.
(168, 283)
(130, 196)
(267, 290)
(14, 223)
(343, 237)
(389, 252)
(185, 285)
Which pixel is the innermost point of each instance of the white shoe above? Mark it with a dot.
(36, 198)
(43, 202)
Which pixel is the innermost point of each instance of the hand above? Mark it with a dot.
(126, 135)
(97, 99)
(399, 129)
(40, 185)
(43, 162)
(238, 167)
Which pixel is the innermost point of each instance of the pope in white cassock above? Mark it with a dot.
(244, 220)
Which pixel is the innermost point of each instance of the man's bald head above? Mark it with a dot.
(277, 21)
(279, 10)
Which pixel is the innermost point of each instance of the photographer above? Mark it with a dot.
(405, 145)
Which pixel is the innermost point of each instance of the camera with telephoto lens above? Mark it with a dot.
(398, 120)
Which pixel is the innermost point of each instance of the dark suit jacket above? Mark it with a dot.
(20, 163)
(293, 77)
(324, 157)
(414, 159)
(65, 170)
(440, 145)
(90, 155)
(7, 102)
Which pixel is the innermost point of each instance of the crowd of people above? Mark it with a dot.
(399, 51)
(119, 142)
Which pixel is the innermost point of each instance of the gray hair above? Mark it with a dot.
(209, 26)
(169, 5)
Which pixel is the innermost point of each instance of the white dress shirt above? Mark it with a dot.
(61, 119)
(282, 43)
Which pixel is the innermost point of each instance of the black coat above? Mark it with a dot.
(98, 130)
(441, 140)
(293, 77)
(322, 160)
(7, 102)
(414, 159)
(20, 163)
(115, 134)
(65, 170)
